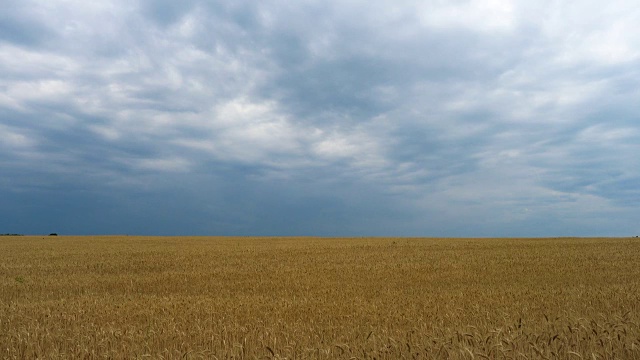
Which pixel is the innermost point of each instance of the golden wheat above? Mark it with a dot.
(317, 298)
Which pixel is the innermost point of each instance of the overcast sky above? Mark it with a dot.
(329, 118)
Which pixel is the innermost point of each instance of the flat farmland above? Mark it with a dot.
(319, 298)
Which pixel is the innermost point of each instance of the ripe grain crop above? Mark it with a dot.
(319, 298)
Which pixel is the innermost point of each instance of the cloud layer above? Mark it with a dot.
(493, 118)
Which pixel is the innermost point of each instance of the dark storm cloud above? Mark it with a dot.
(319, 118)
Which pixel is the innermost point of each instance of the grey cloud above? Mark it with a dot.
(315, 118)
(166, 12)
(18, 27)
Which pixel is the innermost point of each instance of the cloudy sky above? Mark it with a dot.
(329, 118)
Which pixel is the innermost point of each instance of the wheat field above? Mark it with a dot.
(319, 298)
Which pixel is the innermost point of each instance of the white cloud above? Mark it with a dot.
(242, 130)
(8, 102)
(15, 140)
(606, 135)
(34, 64)
(41, 90)
(170, 164)
(485, 16)
(357, 148)
(591, 32)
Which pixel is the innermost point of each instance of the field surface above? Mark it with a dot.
(317, 298)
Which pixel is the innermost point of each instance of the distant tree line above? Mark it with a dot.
(8, 234)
